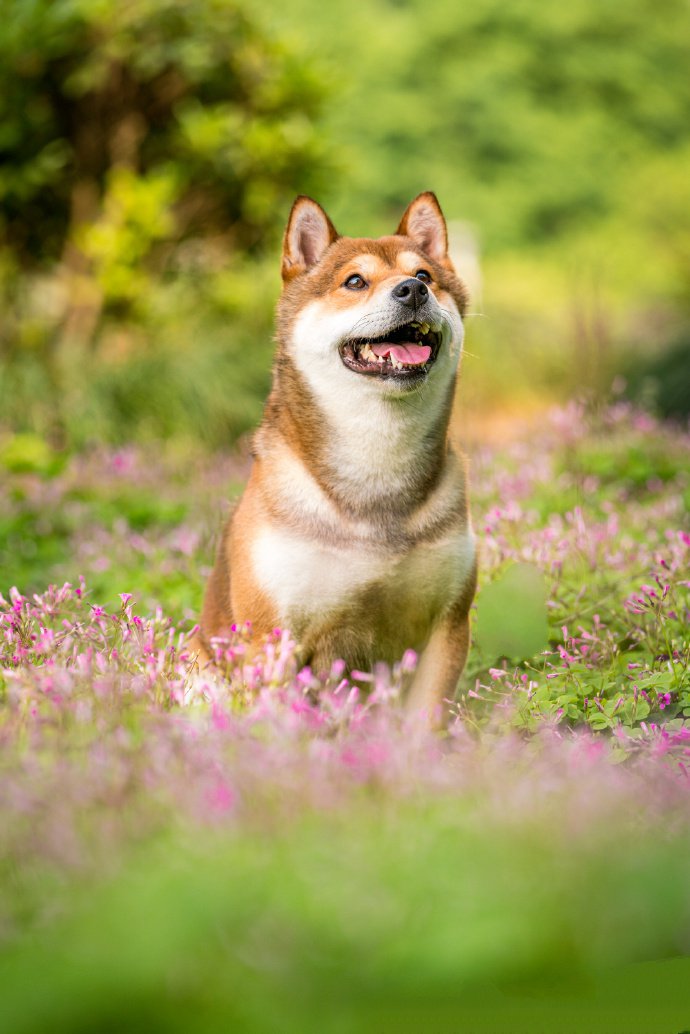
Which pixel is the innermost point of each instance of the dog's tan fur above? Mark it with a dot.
(353, 530)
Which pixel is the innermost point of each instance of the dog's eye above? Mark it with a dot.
(355, 282)
(422, 275)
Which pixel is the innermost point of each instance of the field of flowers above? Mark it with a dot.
(270, 849)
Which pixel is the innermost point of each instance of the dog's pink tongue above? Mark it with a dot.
(410, 355)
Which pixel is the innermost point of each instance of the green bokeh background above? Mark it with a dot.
(150, 153)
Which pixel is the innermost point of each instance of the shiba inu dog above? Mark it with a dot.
(353, 531)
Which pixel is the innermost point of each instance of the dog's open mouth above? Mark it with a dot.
(406, 352)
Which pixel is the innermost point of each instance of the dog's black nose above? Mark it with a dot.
(411, 292)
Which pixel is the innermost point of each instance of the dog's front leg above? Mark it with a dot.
(439, 669)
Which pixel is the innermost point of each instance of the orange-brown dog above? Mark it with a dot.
(353, 531)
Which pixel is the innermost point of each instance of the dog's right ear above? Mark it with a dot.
(309, 233)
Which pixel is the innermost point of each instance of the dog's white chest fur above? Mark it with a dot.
(309, 580)
(321, 565)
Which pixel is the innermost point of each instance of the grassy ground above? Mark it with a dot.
(274, 852)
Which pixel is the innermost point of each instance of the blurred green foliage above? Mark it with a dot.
(511, 614)
(528, 119)
(390, 918)
(151, 121)
(149, 153)
(662, 382)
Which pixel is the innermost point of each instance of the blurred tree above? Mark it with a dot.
(146, 133)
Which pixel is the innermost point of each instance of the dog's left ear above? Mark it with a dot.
(309, 233)
(423, 221)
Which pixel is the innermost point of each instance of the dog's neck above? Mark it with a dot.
(372, 454)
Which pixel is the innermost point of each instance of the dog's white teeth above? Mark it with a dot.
(367, 354)
(425, 328)
(396, 363)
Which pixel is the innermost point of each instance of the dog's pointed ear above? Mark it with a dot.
(423, 221)
(308, 234)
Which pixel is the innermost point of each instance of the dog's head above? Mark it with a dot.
(383, 315)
